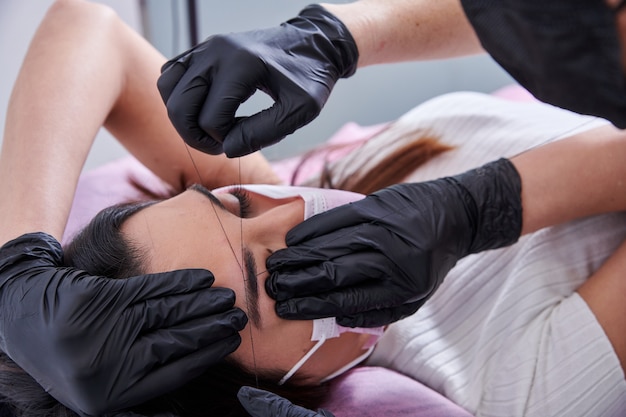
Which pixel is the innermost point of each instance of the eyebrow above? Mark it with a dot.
(205, 192)
(252, 287)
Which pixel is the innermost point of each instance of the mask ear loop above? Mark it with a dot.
(243, 276)
(302, 360)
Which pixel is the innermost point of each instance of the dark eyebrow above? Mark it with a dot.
(252, 287)
(205, 192)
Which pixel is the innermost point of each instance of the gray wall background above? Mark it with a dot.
(18, 21)
(372, 95)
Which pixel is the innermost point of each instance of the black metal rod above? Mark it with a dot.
(193, 22)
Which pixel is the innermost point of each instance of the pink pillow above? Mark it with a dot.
(375, 391)
(514, 92)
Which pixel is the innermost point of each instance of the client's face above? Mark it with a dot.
(232, 235)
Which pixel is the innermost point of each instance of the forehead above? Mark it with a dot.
(186, 231)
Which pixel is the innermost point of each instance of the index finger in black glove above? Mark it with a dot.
(260, 403)
(99, 345)
(296, 63)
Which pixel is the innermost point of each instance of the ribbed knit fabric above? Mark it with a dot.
(506, 334)
(482, 127)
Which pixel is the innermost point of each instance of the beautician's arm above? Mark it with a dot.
(388, 31)
(95, 344)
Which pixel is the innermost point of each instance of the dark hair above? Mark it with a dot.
(101, 249)
(420, 148)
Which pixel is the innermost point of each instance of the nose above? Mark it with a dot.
(270, 228)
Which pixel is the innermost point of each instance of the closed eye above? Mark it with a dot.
(243, 196)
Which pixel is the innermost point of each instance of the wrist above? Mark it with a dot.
(360, 25)
(495, 191)
(344, 48)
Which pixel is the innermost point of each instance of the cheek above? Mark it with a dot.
(277, 347)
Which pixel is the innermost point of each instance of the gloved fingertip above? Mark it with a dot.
(236, 149)
(167, 66)
(294, 236)
(202, 277)
(245, 393)
(270, 286)
(275, 261)
(285, 310)
(182, 59)
(203, 143)
(169, 78)
(249, 134)
(202, 273)
(239, 319)
(350, 321)
(255, 400)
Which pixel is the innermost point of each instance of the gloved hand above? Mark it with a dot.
(261, 403)
(377, 260)
(98, 345)
(296, 63)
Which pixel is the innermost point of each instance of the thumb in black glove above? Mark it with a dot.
(377, 260)
(98, 345)
(261, 403)
(296, 63)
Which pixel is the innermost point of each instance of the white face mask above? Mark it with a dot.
(317, 201)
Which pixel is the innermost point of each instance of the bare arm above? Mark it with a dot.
(85, 68)
(605, 294)
(404, 30)
(577, 177)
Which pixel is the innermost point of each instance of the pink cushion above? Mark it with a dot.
(514, 93)
(374, 391)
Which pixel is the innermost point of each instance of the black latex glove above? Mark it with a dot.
(99, 345)
(377, 260)
(296, 63)
(261, 403)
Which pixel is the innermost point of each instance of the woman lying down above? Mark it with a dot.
(533, 329)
